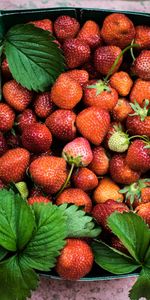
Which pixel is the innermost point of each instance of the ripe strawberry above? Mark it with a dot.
(43, 105)
(75, 196)
(37, 155)
(61, 123)
(38, 199)
(13, 140)
(142, 36)
(100, 162)
(121, 82)
(104, 57)
(78, 152)
(121, 110)
(120, 171)
(5, 70)
(27, 117)
(75, 261)
(140, 91)
(118, 30)
(107, 189)
(49, 172)
(97, 93)
(81, 76)
(138, 156)
(102, 211)
(13, 165)
(76, 52)
(7, 117)
(117, 244)
(138, 123)
(90, 34)
(66, 27)
(36, 138)
(143, 210)
(3, 144)
(16, 95)
(85, 179)
(66, 88)
(141, 65)
(93, 123)
(44, 24)
(89, 67)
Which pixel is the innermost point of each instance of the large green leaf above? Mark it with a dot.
(78, 223)
(133, 233)
(142, 286)
(16, 279)
(48, 238)
(16, 221)
(3, 253)
(34, 59)
(113, 260)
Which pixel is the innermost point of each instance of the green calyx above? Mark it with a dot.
(100, 87)
(119, 140)
(76, 161)
(139, 111)
(23, 189)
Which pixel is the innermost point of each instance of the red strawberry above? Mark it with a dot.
(16, 95)
(27, 117)
(49, 172)
(78, 152)
(13, 140)
(89, 67)
(118, 30)
(104, 57)
(36, 191)
(85, 179)
(121, 110)
(142, 36)
(120, 171)
(81, 76)
(93, 123)
(5, 70)
(76, 52)
(44, 24)
(121, 82)
(141, 65)
(117, 244)
(7, 117)
(143, 210)
(62, 124)
(66, 27)
(75, 261)
(37, 155)
(38, 199)
(90, 33)
(140, 91)
(43, 105)
(36, 138)
(100, 163)
(102, 211)
(3, 144)
(13, 165)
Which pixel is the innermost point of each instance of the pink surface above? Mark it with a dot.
(63, 290)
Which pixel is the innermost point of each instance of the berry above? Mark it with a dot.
(38, 199)
(141, 65)
(27, 117)
(84, 179)
(100, 162)
(106, 190)
(66, 27)
(44, 24)
(43, 105)
(121, 82)
(142, 36)
(90, 34)
(7, 117)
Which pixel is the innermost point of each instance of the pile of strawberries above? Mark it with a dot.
(85, 141)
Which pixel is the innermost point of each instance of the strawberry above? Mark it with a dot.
(13, 140)
(36, 191)
(66, 27)
(118, 30)
(139, 122)
(97, 93)
(93, 123)
(13, 165)
(16, 95)
(75, 196)
(143, 210)
(112, 129)
(44, 24)
(81, 76)
(117, 244)
(104, 58)
(66, 88)
(90, 34)
(138, 156)
(100, 162)
(7, 117)
(75, 261)
(27, 117)
(140, 91)
(118, 141)
(89, 67)
(76, 52)
(3, 144)
(141, 65)
(49, 172)
(121, 110)
(107, 189)
(43, 105)
(5, 70)
(121, 82)
(78, 152)
(38, 199)
(36, 138)
(85, 179)
(34, 156)
(61, 123)
(142, 36)
(120, 171)
(2, 185)
(102, 211)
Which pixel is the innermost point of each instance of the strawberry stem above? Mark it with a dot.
(131, 51)
(67, 180)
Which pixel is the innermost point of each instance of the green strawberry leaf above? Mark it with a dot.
(48, 238)
(17, 280)
(3, 253)
(34, 59)
(16, 221)
(78, 223)
(130, 229)
(113, 260)
(142, 286)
